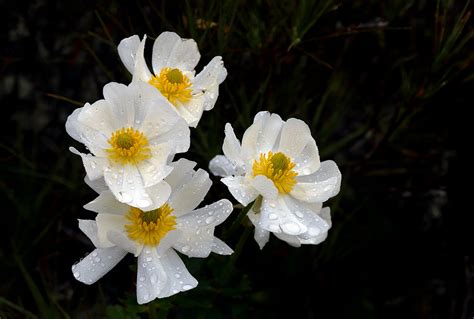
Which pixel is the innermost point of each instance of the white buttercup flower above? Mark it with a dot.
(173, 62)
(155, 236)
(278, 166)
(132, 134)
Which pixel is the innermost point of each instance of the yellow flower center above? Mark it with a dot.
(279, 168)
(128, 146)
(173, 84)
(148, 228)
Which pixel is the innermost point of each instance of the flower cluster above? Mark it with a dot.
(147, 202)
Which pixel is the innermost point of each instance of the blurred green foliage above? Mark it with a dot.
(382, 85)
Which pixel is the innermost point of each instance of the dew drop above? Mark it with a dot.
(76, 274)
(210, 219)
(299, 214)
(94, 253)
(126, 198)
(97, 259)
(272, 216)
(291, 228)
(143, 203)
(185, 249)
(187, 287)
(153, 279)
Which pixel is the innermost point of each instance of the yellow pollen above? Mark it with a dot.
(279, 168)
(174, 85)
(128, 146)
(149, 228)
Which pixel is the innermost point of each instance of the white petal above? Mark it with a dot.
(140, 70)
(221, 166)
(221, 248)
(320, 186)
(240, 189)
(191, 112)
(120, 239)
(151, 276)
(97, 264)
(208, 80)
(231, 146)
(314, 240)
(265, 187)
(89, 228)
(94, 139)
(178, 277)
(159, 194)
(73, 127)
(99, 117)
(120, 98)
(98, 185)
(326, 215)
(308, 161)
(250, 148)
(295, 135)
(261, 236)
(181, 173)
(169, 50)
(290, 239)
(127, 185)
(107, 223)
(276, 217)
(177, 136)
(94, 165)
(270, 133)
(306, 215)
(191, 194)
(127, 50)
(154, 169)
(210, 215)
(108, 204)
(195, 241)
(214, 73)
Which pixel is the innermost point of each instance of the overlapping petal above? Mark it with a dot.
(170, 51)
(161, 272)
(279, 161)
(137, 107)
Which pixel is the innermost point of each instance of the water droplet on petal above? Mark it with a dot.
(76, 275)
(272, 216)
(97, 259)
(187, 287)
(185, 249)
(143, 203)
(210, 219)
(291, 228)
(313, 231)
(273, 228)
(126, 197)
(141, 278)
(153, 279)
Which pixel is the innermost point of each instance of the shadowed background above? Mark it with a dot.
(382, 84)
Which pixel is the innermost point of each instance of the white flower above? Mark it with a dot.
(173, 61)
(132, 134)
(155, 236)
(278, 166)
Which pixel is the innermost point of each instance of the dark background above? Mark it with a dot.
(385, 87)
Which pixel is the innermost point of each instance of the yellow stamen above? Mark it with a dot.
(279, 168)
(174, 85)
(128, 146)
(149, 228)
